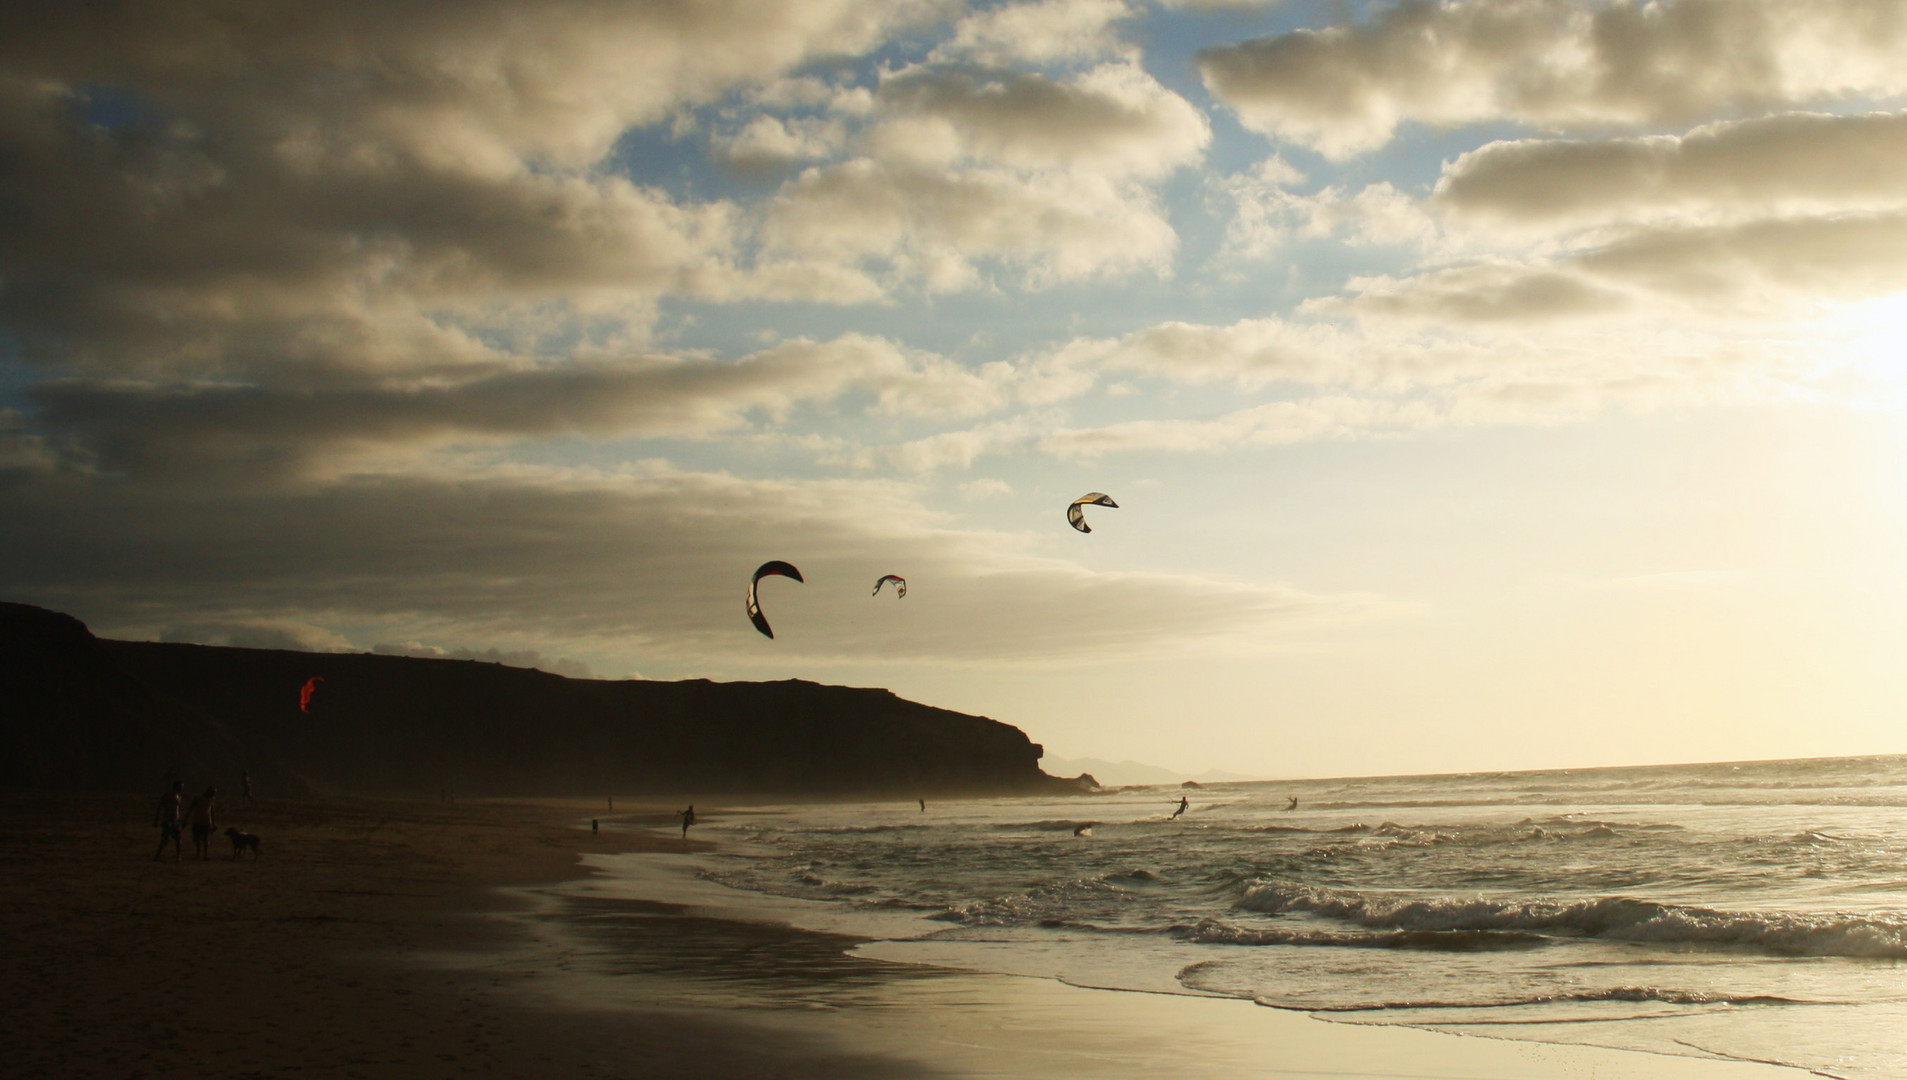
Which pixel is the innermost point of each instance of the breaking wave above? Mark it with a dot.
(1614, 918)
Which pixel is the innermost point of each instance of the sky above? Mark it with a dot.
(1483, 385)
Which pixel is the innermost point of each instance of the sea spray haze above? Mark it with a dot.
(1754, 910)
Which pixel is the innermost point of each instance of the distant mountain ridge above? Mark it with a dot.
(86, 712)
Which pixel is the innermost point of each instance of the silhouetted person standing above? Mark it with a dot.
(245, 779)
(199, 814)
(688, 819)
(169, 818)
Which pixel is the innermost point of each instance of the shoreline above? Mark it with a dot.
(980, 1021)
(397, 939)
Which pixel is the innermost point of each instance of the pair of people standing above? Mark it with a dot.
(174, 814)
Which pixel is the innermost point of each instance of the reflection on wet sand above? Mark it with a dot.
(727, 963)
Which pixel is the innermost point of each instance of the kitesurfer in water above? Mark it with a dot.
(1184, 803)
(688, 819)
(923, 806)
(1294, 804)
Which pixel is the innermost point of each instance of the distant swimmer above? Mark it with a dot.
(688, 819)
(1184, 804)
(1293, 806)
(1084, 828)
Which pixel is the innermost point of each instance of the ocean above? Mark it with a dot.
(1753, 911)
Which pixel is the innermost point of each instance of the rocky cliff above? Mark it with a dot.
(87, 712)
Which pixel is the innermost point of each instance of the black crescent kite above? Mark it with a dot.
(1076, 516)
(772, 568)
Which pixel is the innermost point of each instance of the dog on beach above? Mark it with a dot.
(243, 841)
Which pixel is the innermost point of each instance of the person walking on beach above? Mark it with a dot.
(199, 814)
(1183, 803)
(245, 782)
(688, 819)
(169, 817)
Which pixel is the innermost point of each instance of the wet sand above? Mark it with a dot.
(391, 939)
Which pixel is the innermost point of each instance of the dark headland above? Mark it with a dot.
(83, 712)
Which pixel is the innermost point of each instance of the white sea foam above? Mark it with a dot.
(1658, 906)
(1614, 918)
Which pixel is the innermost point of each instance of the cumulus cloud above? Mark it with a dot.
(957, 449)
(360, 227)
(1114, 120)
(1764, 269)
(965, 171)
(1777, 261)
(1343, 90)
(1265, 216)
(768, 143)
(185, 429)
(1483, 293)
(321, 198)
(1042, 32)
(475, 87)
(1272, 423)
(1250, 352)
(937, 226)
(1788, 164)
(1560, 388)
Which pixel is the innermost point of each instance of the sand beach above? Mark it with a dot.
(427, 939)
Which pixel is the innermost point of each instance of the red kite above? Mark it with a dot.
(304, 693)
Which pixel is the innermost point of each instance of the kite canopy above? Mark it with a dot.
(772, 568)
(900, 584)
(304, 692)
(1077, 517)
